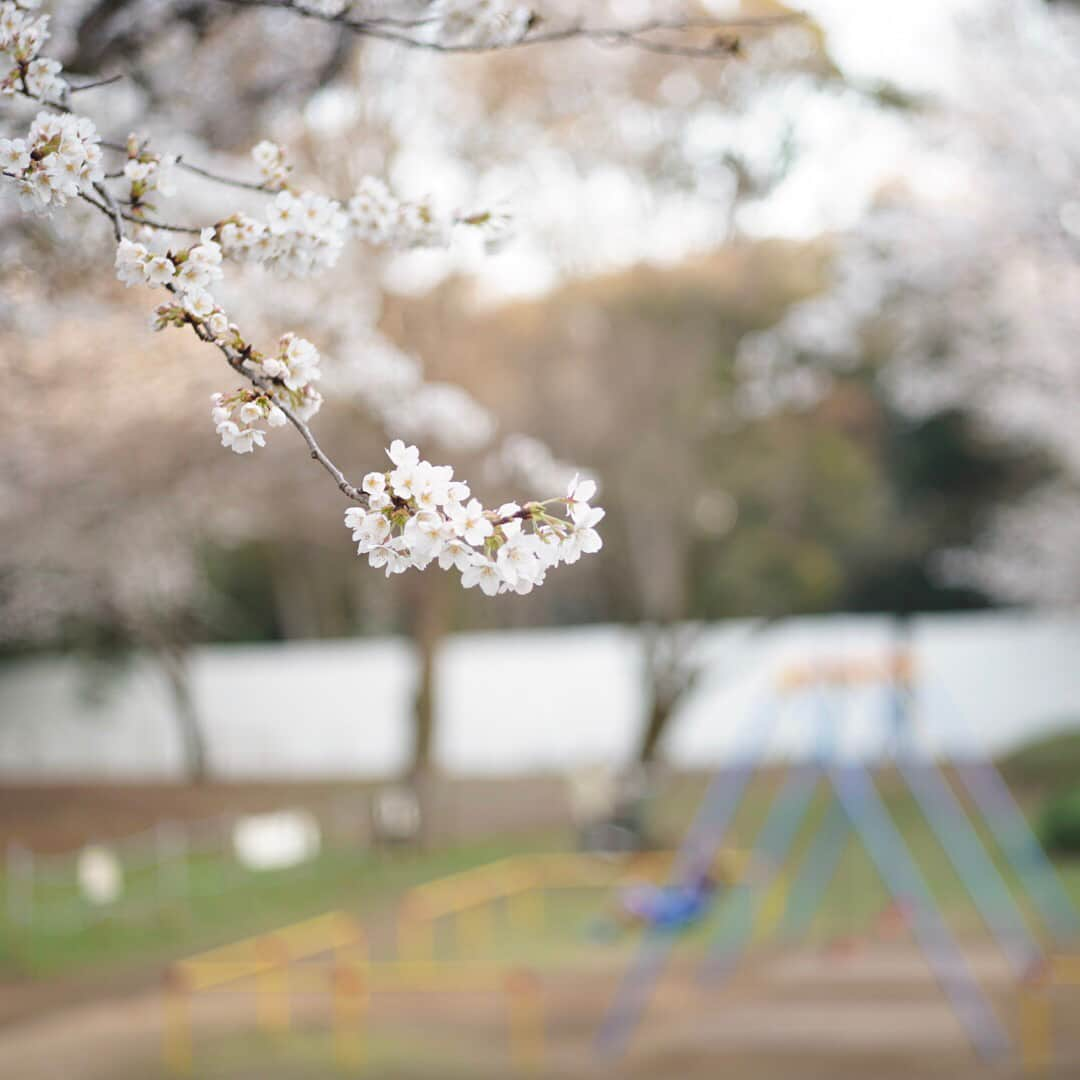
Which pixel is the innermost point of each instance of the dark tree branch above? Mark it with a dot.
(637, 35)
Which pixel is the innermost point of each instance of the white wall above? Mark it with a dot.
(528, 699)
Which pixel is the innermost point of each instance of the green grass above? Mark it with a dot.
(1046, 763)
(224, 903)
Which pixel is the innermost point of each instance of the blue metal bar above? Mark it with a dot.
(822, 860)
(816, 872)
(958, 838)
(901, 875)
(1014, 836)
(784, 820)
(788, 812)
(718, 808)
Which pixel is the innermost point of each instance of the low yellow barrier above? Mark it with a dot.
(1036, 1012)
(264, 959)
(521, 882)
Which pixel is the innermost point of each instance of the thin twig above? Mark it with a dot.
(236, 362)
(95, 84)
(634, 36)
(112, 210)
(218, 178)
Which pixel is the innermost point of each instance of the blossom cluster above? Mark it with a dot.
(147, 174)
(381, 218)
(274, 166)
(285, 378)
(417, 514)
(187, 271)
(302, 234)
(296, 365)
(59, 158)
(235, 418)
(21, 36)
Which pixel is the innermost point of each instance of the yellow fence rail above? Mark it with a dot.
(1036, 1012)
(269, 966)
(264, 961)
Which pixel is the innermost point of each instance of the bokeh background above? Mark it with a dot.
(808, 314)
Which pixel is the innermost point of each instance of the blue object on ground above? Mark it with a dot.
(667, 907)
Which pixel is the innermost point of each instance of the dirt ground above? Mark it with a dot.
(874, 1013)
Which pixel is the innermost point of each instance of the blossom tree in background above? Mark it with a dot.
(963, 275)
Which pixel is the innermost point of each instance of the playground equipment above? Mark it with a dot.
(824, 693)
(265, 964)
(274, 966)
(466, 902)
(329, 955)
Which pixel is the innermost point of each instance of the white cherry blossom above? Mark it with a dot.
(470, 523)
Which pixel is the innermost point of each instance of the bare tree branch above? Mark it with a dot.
(636, 35)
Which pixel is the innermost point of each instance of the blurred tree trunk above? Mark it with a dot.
(668, 675)
(173, 661)
(672, 670)
(428, 628)
(429, 603)
(656, 724)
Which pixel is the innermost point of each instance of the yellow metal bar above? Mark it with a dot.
(350, 1001)
(272, 986)
(525, 1009)
(526, 911)
(218, 973)
(475, 935)
(1036, 1029)
(307, 938)
(176, 1044)
(441, 893)
(415, 936)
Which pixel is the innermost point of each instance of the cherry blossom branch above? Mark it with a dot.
(236, 361)
(520, 29)
(96, 83)
(263, 186)
(374, 199)
(406, 517)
